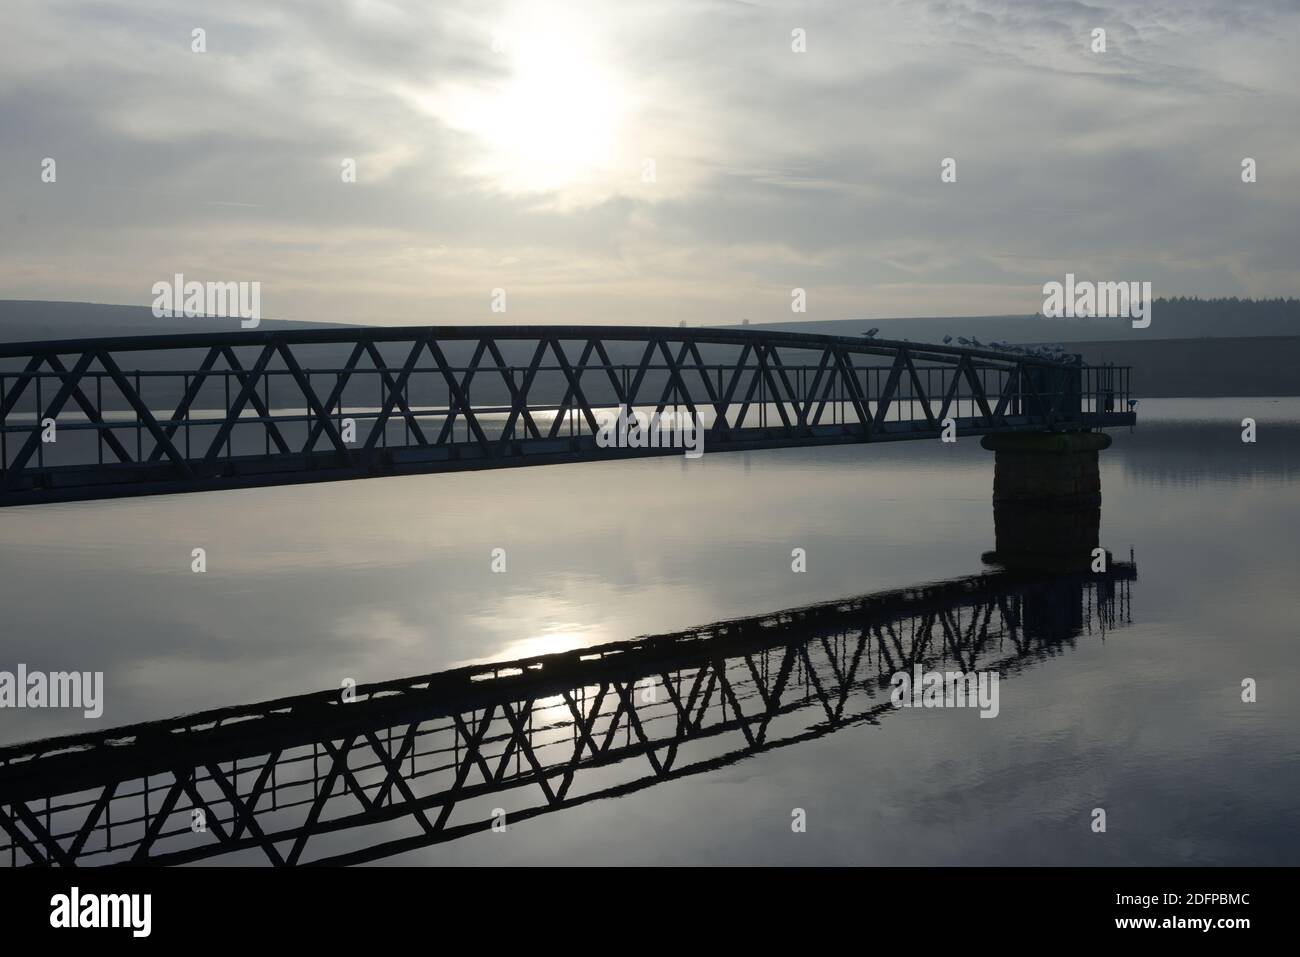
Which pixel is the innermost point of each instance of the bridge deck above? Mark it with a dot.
(99, 418)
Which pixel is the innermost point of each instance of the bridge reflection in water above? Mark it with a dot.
(419, 761)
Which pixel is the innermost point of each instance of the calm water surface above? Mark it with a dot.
(309, 585)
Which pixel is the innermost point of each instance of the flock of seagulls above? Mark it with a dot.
(1055, 352)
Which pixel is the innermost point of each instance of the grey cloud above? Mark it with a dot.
(775, 169)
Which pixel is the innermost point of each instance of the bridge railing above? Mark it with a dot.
(87, 418)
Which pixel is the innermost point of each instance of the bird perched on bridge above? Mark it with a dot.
(947, 339)
(1132, 403)
(963, 340)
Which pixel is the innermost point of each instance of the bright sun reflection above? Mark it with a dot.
(549, 642)
(553, 122)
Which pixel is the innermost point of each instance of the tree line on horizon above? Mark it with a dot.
(1223, 315)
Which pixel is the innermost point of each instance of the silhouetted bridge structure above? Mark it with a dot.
(416, 762)
(98, 418)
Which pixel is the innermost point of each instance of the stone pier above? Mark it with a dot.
(1046, 498)
(1047, 468)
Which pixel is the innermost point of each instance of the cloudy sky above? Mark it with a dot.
(508, 145)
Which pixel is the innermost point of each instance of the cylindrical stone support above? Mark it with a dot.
(1046, 498)
(1047, 468)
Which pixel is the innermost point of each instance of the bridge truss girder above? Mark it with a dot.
(215, 423)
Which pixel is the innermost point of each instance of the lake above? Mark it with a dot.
(307, 587)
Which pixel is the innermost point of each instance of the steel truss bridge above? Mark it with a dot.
(417, 762)
(151, 414)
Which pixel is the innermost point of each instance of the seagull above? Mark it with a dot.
(871, 333)
(963, 340)
(947, 339)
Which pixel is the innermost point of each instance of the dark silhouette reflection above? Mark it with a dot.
(1040, 537)
(419, 761)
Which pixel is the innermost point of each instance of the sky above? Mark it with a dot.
(647, 163)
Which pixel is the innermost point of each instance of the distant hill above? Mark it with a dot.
(1193, 347)
(24, 320)
(1247, 366)
(1170, 319)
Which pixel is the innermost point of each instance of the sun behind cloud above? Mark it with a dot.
(552, 120)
